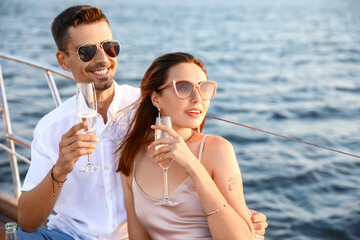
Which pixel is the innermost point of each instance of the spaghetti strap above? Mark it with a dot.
(133, 170)
(202, 147)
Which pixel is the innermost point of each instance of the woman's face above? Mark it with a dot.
(188, 112)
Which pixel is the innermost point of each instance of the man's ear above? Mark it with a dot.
(155, 99)
(62, 60)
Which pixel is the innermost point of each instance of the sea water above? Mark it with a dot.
(289, 67)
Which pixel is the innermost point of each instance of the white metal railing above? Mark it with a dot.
(12, 138)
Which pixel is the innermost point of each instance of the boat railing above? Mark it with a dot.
(10, 136)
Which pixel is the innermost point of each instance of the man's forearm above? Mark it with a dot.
(37, 204)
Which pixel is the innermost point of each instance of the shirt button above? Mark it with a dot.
(111, 197)
(113, 226)
(106, 168)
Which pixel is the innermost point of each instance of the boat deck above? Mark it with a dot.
(8, 211)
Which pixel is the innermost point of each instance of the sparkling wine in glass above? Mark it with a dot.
(165, 164)
(86, 107)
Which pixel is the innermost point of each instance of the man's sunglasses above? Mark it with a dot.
(87, 52)
(185, 89)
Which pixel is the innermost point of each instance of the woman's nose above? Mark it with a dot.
(196, 95)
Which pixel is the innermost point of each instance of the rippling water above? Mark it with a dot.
(290, 67)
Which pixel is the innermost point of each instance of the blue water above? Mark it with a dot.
(290, 67)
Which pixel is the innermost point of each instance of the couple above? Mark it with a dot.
(204, 177)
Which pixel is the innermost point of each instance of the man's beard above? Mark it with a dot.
(103, 84)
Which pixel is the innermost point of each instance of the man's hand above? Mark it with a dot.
(71, 147)
(259, 221)
(35, 205)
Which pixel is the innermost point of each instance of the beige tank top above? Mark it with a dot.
(186, 220)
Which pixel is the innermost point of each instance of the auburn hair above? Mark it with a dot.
(139, 131)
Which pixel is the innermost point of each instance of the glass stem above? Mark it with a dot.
(89, 159)
(166, 189)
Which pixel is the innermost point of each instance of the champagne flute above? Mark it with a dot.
(86, 107)
(164, 164)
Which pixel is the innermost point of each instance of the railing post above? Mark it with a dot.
(53, 89)
(12, 139)
(10, 143)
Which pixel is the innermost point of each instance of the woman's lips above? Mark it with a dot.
(194, 112)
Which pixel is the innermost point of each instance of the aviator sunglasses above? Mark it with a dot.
(87, 52)
(185, 89)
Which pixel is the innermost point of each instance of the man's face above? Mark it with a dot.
(101, 68)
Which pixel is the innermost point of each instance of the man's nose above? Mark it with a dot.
(100, 55)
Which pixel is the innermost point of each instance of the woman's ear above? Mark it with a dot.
(155, 99)
(62, 60)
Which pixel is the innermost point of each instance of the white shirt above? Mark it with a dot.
(90, 205)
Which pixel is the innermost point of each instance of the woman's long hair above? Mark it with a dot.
(139, 131)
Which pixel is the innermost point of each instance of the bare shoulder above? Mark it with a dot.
(217, 150)
(217, 143)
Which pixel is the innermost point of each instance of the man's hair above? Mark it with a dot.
(71, 17)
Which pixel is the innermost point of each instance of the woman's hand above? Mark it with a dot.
(258, 220)
(174, 148)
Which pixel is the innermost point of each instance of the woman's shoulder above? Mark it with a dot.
(216, 147)
(217, 143)
(218, 153)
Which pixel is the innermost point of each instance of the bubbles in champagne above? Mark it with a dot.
(90, 117)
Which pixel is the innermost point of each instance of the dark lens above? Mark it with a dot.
(87, 52)
(184, 89)
(207, 90)
(111, 48)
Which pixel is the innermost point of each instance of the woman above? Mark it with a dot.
(204, 177)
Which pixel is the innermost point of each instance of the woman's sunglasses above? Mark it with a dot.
(185, 89)
(87, 52)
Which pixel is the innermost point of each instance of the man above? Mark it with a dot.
(88, 205)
